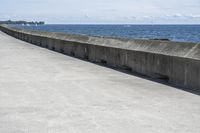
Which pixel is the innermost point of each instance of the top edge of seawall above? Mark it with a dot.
(170, 48)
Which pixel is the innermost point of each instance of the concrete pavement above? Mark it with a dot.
(42, 91)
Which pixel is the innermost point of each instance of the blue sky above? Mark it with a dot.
(103, 11)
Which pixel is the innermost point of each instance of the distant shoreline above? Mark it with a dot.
(22, 22)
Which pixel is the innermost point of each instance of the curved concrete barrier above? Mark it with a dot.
(176, 62)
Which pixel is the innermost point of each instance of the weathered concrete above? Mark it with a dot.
(177, 63)
(42, 91)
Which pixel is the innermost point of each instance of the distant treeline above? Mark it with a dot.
(22, 22)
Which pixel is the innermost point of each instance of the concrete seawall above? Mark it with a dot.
(177, 63)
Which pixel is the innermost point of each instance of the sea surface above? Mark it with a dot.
(179, 33)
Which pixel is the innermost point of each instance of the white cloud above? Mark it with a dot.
(194, 16)
(182, 16)
(177, 15)
(87, 16)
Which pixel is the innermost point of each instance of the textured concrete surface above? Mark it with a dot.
(42, 91)
(176, 62)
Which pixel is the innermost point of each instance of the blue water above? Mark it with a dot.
(180, 33)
